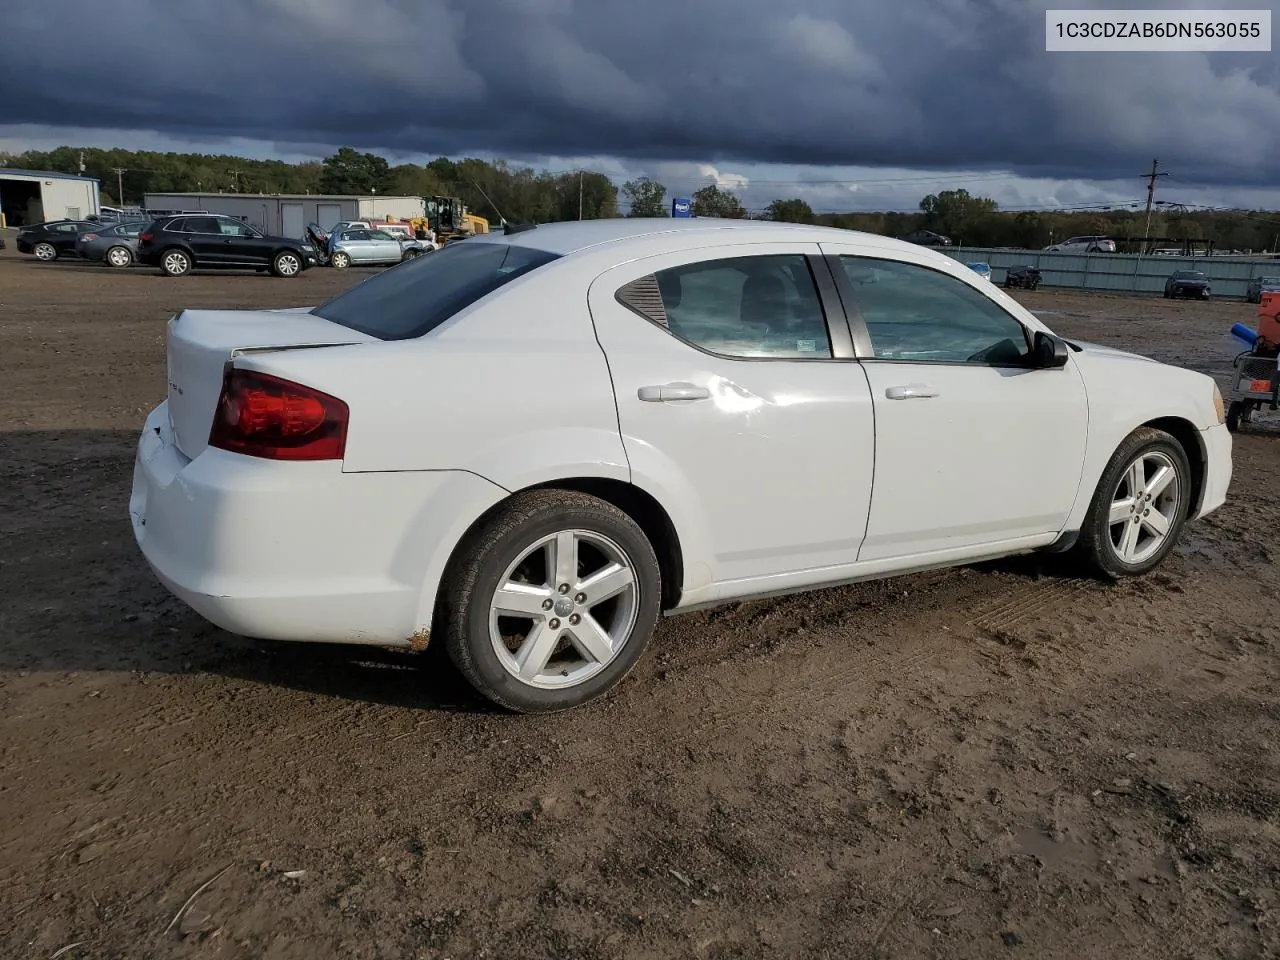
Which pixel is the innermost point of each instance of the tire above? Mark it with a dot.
(175, 262)
(409, 255)
(1234, 411)
(287, 264)
(118, 257)
(340, 260)
(45, 252)
(1097, 545)
(505, 549)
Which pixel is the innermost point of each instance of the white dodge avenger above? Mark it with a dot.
(529, 446)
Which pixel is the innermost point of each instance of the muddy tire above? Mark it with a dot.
(1139, 507)
(550, 601)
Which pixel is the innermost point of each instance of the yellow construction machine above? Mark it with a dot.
(450, 219)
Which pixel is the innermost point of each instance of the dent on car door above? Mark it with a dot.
(974, 447)
(741, 408)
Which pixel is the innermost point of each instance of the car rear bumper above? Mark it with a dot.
(1218, 467)
(297, 551)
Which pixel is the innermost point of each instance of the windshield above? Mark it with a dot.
(420, 294)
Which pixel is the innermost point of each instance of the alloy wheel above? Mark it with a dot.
(564, 610)
(1144, 506)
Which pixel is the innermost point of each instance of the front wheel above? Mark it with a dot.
(551, 601)
(46, 252)
(340, 260)
(409, 255)
(286, 264)
(1138, 510)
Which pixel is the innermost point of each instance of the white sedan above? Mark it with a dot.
(531, 445)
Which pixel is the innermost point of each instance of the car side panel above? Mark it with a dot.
(1124, 393)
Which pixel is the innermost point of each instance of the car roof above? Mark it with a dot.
(571, 236)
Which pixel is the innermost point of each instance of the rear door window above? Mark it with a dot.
(421, 293)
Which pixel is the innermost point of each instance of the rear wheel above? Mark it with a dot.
(119, 257)
(551, 602)
(1140, 505)
(286, 264)
(46, 252)
(175, 263)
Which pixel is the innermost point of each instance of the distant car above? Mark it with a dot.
(927, 238)
(384, 468)
(53, 239)
(1083, 245)
(1260, 285)
(116, 244)
(360, 247)
(1187, 283)
(210, 241)
(1023, 275)
(981, 269)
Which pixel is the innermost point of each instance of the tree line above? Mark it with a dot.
(522, 194)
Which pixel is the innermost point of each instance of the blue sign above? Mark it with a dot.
(681, 207)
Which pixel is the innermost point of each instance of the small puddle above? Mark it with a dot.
(1054, 854)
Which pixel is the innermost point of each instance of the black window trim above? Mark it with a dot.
(862, 336)
(833, 315)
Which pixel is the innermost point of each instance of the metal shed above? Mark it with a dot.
(287, 215)
(34, 196)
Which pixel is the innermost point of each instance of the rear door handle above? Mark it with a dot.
(669, 392)
(911, 391)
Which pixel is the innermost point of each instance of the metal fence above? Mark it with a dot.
(1119, 272)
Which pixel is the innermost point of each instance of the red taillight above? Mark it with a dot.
(264, 416)
(89, 236)
(146, 237)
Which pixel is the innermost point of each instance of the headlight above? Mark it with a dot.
(1218, 407)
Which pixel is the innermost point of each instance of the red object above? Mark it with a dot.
(1269, 316)
(264, 416)
(146, 237)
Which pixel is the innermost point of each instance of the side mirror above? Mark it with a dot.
(1048, 352)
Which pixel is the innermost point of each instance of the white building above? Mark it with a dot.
(34, 196)
(285, 214)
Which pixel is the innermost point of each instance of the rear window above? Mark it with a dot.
(418, 295)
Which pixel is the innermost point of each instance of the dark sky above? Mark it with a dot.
(923, 84)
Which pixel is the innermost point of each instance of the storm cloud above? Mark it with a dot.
(919, 84)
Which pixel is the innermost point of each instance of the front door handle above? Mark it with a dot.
(911, 391)
(669, 392)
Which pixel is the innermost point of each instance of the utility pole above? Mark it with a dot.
(579, 194)
(120, 172)
(82, 163)
(1151, 194)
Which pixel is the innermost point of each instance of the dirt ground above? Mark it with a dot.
(993, 762)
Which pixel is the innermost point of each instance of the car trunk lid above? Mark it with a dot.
(200, 343)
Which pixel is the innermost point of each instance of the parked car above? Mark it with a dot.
(1023, 275)
(1083, 245)
(1260, 285)
(981, 269)
(116, 245)
(363, 247)
(377, 469)
(178, 245)
(1187, 283)
(927, 238)
(53, 239)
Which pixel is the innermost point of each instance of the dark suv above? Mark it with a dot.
(211, 241)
